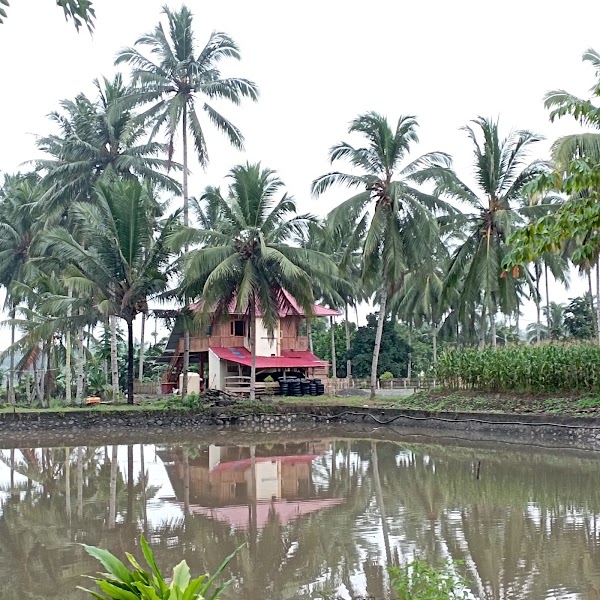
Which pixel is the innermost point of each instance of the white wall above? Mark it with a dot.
(266, 346)
(217, 371)
(268, 480)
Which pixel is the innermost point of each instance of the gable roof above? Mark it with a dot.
(288, 307)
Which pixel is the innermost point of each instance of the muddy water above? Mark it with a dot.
(321, 515)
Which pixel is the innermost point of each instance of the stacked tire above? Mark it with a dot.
(292, 386)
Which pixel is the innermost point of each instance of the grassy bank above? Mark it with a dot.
(434, 400)
(561, 404)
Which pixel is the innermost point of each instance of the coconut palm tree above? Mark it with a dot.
(178, 83)
(398, 218)
(342, 244)
(19, 221)
(125, 259)
(501, 172)
(99, 138)
(249, 262)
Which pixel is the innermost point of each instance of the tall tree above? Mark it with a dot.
(99, 138)
(248, 263)
(397, 216)
(125, 259)
(177, 81)
(342, 244)
(19, 221)
(501, 171)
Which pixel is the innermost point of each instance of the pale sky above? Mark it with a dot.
(318, 65)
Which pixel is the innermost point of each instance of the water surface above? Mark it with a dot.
(321, 513)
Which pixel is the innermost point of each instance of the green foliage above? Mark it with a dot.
(578, 318)
(588, 403)
(119, 583)
(80, 11)
(393, 356)
(321, 335)
(192, 401)
(268, 379)
(420, 581)
(386, 376)
(539, 369)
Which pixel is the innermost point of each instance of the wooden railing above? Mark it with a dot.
(240, 386)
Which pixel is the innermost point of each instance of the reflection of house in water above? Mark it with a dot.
(235, 483)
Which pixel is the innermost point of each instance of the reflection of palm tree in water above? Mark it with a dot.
(39, 553)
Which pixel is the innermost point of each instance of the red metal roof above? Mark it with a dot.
(288, 307)
(286, 511)
(289, 359)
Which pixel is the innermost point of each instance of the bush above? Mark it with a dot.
(119, 582)
(543, 369)
(387, 376)
(268, 379)
(192, 401)
(419, 581)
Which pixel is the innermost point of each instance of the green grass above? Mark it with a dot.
(502, 403)
(433, 400)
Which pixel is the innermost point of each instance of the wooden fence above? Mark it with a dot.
(149, 388)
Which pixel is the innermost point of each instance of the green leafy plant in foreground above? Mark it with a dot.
(119, 583)
(419, 581)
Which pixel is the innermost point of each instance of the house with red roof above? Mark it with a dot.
(221, 350)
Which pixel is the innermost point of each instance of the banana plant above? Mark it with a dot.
(119, 583)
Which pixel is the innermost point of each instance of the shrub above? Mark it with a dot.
(268, 379)
(192, 401)
(419, 581)
(545, 369)
(387, 376)
(119, 582)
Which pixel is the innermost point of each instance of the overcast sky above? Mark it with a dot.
(318, 65)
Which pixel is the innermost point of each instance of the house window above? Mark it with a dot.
(237, 328)
(302, 329)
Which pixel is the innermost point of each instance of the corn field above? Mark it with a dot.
(538, 369)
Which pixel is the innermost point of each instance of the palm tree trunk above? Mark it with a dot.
(114, 364)
(144, 490)
(348, 361)
(11, 374)
(333, 356)
(186, 482)
(80, 359)
(548, 317)
(538, 318)
(141, 371)
(434, 332)
(253, 350)
(186, 222)
(309, 334)
(482, 328)
(409, 366)
(130, 376)
(112, 496)
(588, 272)
(80, 483)
(379, 496)
(378, 335)
(68, 351)
(598, 298)
(129, 518)
(493, 327)
(68, 483)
